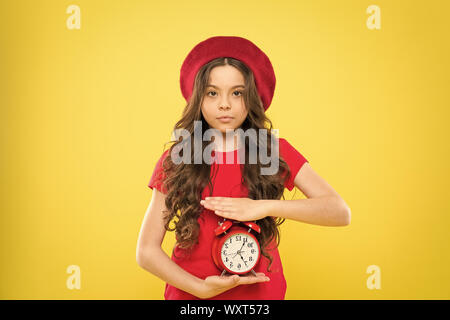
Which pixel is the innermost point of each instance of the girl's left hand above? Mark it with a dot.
(240, 209)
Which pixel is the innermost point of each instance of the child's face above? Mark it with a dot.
(224, 99)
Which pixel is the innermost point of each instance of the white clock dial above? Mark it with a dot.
(239, 252)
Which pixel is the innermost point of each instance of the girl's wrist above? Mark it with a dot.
(269, 206)
(198, 288)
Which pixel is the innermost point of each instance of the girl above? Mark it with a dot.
(228, 83)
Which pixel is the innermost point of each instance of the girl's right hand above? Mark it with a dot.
(214, 285)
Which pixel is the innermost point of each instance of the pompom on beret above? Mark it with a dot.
(233, 47)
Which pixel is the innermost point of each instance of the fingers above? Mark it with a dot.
(227, 215)
(235, 279)
(217, 284)
(260, 277)
(215, 205)
(227, 280)
(260, 274)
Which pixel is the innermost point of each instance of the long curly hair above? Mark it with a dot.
(185, 182)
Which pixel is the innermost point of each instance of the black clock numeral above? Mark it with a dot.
(231, 264)
(224, 252)
(250, 244)
(238, 238)
(253, 251)
(245, 239)
(226, 245)
(250, 258)
(239, 266)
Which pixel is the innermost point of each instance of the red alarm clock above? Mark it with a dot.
(235, 249)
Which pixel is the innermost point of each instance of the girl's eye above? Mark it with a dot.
(239, 93)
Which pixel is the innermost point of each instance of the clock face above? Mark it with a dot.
(240, 252)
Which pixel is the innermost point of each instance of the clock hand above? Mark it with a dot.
(229, 254)
(238, 250)
(243, 260)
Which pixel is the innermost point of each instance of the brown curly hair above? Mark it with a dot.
(185, 182)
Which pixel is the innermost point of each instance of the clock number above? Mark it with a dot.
(250, 258)
(238, 238)
(250, 244)
(252, 251)
(226, 245)
(239, 265)
(231, 264)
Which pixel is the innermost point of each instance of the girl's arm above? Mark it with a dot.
(151, 257)
(324, 205)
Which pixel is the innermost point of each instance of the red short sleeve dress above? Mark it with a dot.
(199, 262)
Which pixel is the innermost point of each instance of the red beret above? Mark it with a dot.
(233, 47)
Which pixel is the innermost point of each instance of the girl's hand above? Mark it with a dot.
(240, 209)
(214, 285)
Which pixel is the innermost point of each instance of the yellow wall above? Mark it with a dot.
(85, 114)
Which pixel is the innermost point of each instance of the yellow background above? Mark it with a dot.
(85, 114)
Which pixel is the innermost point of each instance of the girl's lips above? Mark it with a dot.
(225, 119)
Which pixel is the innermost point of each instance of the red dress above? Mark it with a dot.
(199, 262)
